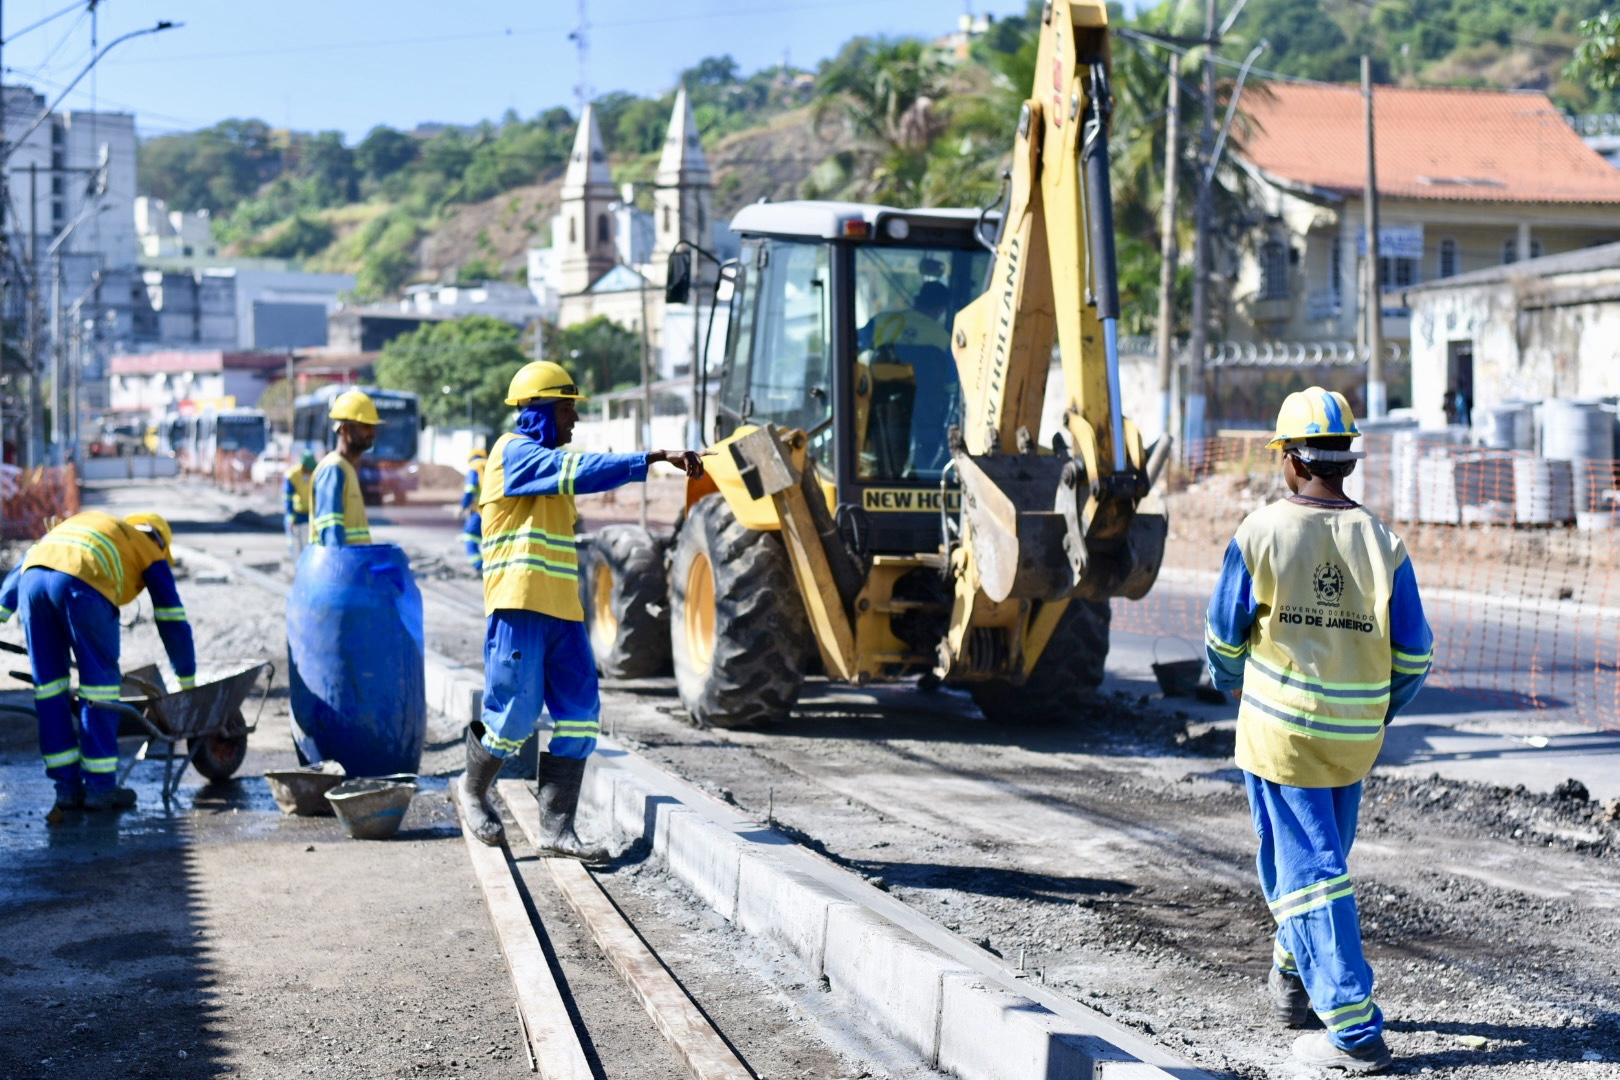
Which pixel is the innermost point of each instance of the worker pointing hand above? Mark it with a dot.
(689, 462)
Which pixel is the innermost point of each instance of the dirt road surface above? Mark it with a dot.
(1111, 860)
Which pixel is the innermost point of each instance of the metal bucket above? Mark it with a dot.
(1179, 678)
(373, 809)
(303, 791)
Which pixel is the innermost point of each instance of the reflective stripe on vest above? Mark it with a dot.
(356, 527)
(530, 561)
(104, 552)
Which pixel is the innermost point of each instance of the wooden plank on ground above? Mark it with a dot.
(550, 1032)
(695, 1041)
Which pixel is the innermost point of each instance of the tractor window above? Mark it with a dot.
(781, 372)
(906, 390)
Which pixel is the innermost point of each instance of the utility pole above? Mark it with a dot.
(1373, 305)
(1168, 251)
(1198, 339)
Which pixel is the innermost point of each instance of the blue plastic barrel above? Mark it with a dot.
(354, 646)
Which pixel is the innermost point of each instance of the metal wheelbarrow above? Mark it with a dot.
(207, 716)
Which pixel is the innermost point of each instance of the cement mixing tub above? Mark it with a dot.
(373, 809)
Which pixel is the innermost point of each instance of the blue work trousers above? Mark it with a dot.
(534, 661)
(1305, 837)
(63, 617)
(472, 538)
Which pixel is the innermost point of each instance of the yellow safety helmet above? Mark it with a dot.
(544, 380)
(1308, 414)
(355, 405)
(156, 523)
(477, 455)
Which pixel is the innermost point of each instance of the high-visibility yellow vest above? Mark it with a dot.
(100, 550)
(356, 529)
(300, 480)
(1316, 685)
(530, 562)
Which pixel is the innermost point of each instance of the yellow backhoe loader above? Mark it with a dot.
(880, 504)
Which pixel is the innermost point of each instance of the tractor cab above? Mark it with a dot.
(841, 328)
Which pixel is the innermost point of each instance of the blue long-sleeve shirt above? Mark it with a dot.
(1233, 611)
(326, 498)
(528, 468)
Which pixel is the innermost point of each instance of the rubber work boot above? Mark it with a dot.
(471, 790)
(1290, 1004)
(1317, 1049)
(560, 779)
(70, 798)
(115, 798)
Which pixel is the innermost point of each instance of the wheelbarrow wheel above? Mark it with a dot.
(219, 755)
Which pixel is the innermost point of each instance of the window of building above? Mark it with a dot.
(1448, 258)
(573, 231)
(604, 230)
(1510, 250)
(666, 219)
(1336, 271)
(1535, 249)
(1273, 270)
(1397, 273)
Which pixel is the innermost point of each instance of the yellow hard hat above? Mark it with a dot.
(1307, 414)
(355, 405)
(542, 379)
(477, 455)
(156, 523)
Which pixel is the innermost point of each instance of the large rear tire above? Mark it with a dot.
(626, 603)
(219, 755)
(1063, 687)
(739, 633)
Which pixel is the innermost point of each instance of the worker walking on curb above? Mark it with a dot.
(1317, 626)
(67, 592)
(472, 522)
(338, 516)
(295, 504)
(536, 651)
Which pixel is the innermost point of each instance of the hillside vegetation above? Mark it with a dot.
(889, 120)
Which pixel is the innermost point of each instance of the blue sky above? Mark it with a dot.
(350, 64)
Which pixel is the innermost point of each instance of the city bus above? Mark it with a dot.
(228, 442)
(389, 468)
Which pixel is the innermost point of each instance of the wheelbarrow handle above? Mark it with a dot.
(9, 647)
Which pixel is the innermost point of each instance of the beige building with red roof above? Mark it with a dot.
(1467, 179)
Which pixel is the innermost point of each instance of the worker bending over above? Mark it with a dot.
(536, 651)
(339, 513)
(68, 590)
(472, 523)
(295, 504)
(1317, 626)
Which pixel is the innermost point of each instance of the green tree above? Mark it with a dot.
(384, 152)
(599, 353)
(299, 237)
(1597, 58)
(456, 367)
(212, 169)
(886, 94)
(328, 166)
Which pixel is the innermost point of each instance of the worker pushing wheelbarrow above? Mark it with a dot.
(67, 592)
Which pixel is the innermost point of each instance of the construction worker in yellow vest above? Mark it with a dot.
(536, 651)
(295, 504)
(67, 591)
(338, 516)
(1317, 626)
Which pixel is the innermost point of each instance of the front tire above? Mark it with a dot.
(1063, 686)
(738, 630)
(219, 755)
(626, 603)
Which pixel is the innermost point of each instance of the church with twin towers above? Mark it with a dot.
(607, 256)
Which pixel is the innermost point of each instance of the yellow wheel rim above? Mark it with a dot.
(700, 613)
(607, 627)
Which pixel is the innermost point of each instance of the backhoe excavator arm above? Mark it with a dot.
(1038, 529)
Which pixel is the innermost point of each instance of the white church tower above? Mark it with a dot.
(684, 199)
(585, 246)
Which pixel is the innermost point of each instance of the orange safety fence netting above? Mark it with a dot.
(1515, 556)
(44, 496)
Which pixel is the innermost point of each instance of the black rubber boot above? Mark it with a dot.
(114, 798)
(1290, 1004)
(560, 779)
(470, 790)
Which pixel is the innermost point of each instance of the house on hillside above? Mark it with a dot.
(1544, 328)
(1467, 180)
